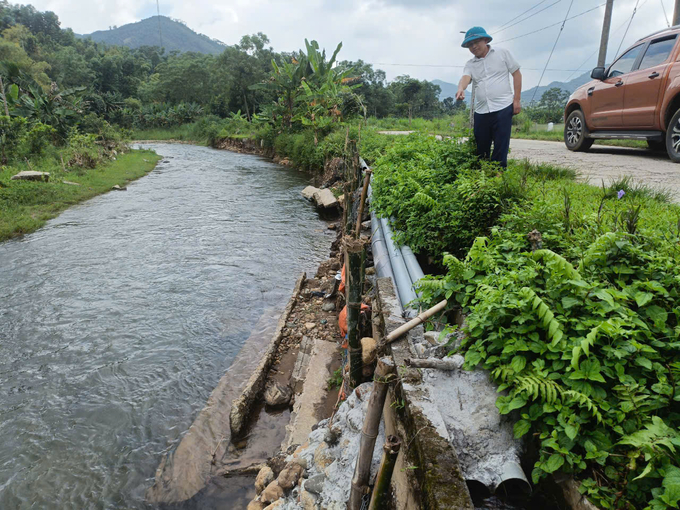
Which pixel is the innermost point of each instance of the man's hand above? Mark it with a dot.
(460, 95)
(516, 107)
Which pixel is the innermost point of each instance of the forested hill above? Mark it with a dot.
(175, 35)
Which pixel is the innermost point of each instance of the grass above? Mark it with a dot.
(557, 135)
(25, 206)
(183, 133)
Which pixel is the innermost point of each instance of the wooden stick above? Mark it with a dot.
(415, 322)
(381, 490)
(364, 192)
(384, 373)
(354, 259)
(440, 364)
(4, 97)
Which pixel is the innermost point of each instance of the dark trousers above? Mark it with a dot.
(494, 127)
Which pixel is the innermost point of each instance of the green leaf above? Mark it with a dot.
(521, 427)
(554, 463)
(568, 302)
(604, 295)
(518, 363)
(657, 314)
(643, 362)
(571, 431)
(671, 482)
(642, 298)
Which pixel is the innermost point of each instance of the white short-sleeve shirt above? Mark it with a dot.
(491, 80)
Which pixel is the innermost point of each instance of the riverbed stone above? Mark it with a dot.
(309, 191)
(272, 492)
(310, 326)
(322, 457)
(308, 501)
(256, 505)
(278, 395)
(368, 350)
(328, 306)
(325, 199)
(264, 478)
(290, 476)
(315, 483)
(30, 175)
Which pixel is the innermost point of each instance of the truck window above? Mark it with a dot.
(658, 52)
(625, 63)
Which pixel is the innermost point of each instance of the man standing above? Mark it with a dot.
(495, 103)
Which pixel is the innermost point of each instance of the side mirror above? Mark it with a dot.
(598, 73)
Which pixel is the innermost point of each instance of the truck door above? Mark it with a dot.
(606, 97)
(643, 85)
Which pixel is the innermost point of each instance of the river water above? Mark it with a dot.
(118, 318)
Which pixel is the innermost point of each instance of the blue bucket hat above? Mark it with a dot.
(473, 34)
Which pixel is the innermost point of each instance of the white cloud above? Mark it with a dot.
(393, 31)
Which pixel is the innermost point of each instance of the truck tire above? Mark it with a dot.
(673, 138)
(576, 132)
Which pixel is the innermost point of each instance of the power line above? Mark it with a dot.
(513, 19)
(452, 66)
(550, 26)
(160, 34)
(593, 54)
(629, 23)
(531, 16)
(668, 24)
(551, 51)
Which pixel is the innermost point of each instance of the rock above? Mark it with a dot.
(308, 501)
(310, 326)
(118, 188)
(271, 493)
(325, 199)
(328, 306)
(332, 226)
(264, 478)
(322, 457)
(368, 350)
(285, 162)
(30, 175)
(277, 395)
(309, 191)
(315, 483)
(275, 504)
(370, 271)
(290, 476)
(301, 461)
(366, 225)
(256, 505)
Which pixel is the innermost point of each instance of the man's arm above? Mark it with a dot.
(462, 85)
(517, 86)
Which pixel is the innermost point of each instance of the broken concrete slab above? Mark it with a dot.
(30, 175)
(309, 191)
(325, 199)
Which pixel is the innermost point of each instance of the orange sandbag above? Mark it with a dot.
(342, 318)
(341, 287)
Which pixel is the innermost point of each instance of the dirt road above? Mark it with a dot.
(604, 162)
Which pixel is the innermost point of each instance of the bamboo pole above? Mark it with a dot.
(362, 202)
(380, 496)
(4, 97)
(439, 364)
(353, 262)
(415, 322)
(384, 373)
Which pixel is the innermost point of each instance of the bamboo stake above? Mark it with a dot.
(4, 97)
(415, 322)
(384, 373)
(440, 364)
(381, 490)
(354, 260)
(364, 192)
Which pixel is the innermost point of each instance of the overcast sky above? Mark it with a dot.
(424, 32)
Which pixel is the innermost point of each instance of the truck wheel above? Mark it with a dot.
(673, 138)
(576, 133)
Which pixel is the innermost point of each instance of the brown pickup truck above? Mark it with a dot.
(635, 98)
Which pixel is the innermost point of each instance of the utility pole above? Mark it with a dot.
(676, 13)
(601, 59)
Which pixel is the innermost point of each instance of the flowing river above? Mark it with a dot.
(118, 318)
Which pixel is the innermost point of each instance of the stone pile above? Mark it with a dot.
(318, 474)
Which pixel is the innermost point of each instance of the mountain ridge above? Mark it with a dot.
(176, 36)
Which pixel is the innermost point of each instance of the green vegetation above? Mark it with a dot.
(25, 206)
(176, 36)
(581, 331)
